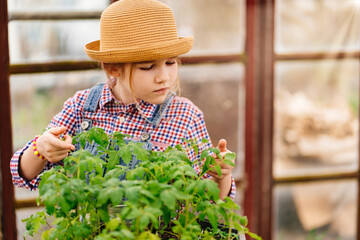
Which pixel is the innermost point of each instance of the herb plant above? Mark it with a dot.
(161, 198)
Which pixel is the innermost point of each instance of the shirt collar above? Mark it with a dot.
(147, 109)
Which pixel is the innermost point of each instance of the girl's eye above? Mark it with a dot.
(147, 67)
(170, 63)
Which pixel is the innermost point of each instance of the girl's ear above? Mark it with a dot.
(114, 70)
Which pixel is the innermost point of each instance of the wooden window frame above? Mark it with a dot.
(259, 59)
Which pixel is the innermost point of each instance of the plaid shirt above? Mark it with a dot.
(182, 120)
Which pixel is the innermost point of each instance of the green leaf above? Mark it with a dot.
(196, 149)
(212, 189)
(168, 199)
(104, 215)
(134, 213)
(229, 162)
(144, 222)
(148, 236)
(139, 151)
(230, 156)
(204, 154)
(238, 227)
(64, 205)
(132, 193)
(126, 154)
(181, 196)
(127, 234)
(103, 197)
(254, 236)
(116, 195)
(147, 194)
(218, 169)
(113, 224)
(212, 216)
(215, 150)
(112, 160)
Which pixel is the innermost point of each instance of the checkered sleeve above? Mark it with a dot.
(67, 117)
(199, 131)
(16, 176)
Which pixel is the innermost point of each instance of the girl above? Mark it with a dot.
(138, 49)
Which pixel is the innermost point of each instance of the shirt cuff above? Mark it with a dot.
(17, 179)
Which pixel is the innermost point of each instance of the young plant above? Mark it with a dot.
(163, 197)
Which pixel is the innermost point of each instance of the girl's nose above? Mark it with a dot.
(162, 75)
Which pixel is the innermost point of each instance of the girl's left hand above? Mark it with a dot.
(225, 168)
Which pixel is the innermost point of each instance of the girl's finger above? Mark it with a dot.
(68, 139)
(56, 131)
(59, 144)
(222, 145)
(58, 158)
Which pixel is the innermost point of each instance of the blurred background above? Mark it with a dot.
(279, 79)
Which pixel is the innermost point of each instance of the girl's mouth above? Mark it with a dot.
(161, 90)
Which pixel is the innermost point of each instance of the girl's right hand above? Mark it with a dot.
(52, 147)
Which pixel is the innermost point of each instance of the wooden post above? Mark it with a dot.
(8, 220)
(259, 115)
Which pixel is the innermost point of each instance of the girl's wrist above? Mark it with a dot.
(35, 149)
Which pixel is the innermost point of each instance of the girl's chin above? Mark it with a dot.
(156, 100)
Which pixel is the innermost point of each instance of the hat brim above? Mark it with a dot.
(150, 52)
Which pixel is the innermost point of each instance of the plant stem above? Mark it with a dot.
(147, 170)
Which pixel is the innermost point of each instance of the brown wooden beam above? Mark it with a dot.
(53, 67)
(312, 178)
(53, 16)
(317, 56)
(90, 65)
(26, 203)
(8, 218)
(213, 59)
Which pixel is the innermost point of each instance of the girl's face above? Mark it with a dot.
(150, 81)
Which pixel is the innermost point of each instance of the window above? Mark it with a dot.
(279, 79)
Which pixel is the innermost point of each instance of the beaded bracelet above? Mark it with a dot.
(36, 152)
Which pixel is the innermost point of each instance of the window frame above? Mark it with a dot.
(261, 56)
(259, 59)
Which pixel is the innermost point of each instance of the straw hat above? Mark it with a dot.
(136, 31)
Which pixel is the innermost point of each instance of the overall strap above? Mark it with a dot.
(91, 104)
(155, 120)
(161, 110)
(92, 101)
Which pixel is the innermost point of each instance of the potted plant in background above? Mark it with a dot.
(161, 198)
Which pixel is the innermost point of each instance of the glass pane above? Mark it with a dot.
(218, 90)
(36, 98)
(316, 117)
(42, 41)
(321, 210)
(317, 25)
(21, 226)
(57, 5)
(201, 18)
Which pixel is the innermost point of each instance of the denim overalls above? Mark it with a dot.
(90, 107)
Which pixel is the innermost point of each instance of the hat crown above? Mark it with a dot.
(134, 23)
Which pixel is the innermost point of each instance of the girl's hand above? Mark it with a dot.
(225, 168)
(52, 147)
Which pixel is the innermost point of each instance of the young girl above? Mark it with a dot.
(138, 49)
